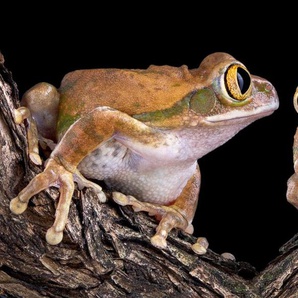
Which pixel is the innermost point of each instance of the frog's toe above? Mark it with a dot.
(54, 237)
(159, 241)
(153, 210)
(120, 198)
(200, 247)
(228, 256)
(35, 158)
(98, 191)
(83, 182)
(18, 118)
(17, 206)
(102, 197)
(21, 114)
(170, 220)
(124, 200)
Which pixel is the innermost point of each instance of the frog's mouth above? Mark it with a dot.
(258, 112)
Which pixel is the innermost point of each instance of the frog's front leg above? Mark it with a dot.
(85, 135)
(54, 174)
(177, 215)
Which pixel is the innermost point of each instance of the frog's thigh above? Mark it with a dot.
(178, 215)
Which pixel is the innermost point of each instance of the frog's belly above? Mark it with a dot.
(124, 171)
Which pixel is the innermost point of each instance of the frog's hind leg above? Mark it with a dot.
(39, 107)
(178, 215)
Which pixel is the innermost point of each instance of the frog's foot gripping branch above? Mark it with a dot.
(54, 175)
(170, 218)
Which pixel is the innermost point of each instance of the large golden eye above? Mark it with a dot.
(233, 87)
(238, 82)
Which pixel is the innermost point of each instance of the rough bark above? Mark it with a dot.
(106, 250)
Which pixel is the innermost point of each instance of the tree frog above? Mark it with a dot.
(141, 131)
(292, 183)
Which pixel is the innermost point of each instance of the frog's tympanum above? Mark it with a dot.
(292, 185)
(141, 131)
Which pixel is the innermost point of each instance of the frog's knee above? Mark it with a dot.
(43, 100)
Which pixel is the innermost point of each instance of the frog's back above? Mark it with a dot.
(132, 91)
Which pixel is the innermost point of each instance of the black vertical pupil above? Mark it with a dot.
(243, 79)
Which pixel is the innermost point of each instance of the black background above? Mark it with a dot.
(242, 207)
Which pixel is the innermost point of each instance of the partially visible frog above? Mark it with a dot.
(292, 184)
(141, 131)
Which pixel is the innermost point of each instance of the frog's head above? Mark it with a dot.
(220, 92)
(226, 99)
(229, 94)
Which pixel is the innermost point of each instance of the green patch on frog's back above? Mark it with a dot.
(64, 123)
(160, 115)
(200, 101)
(69, 112)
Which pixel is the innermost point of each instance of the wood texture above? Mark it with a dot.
(106, 250)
